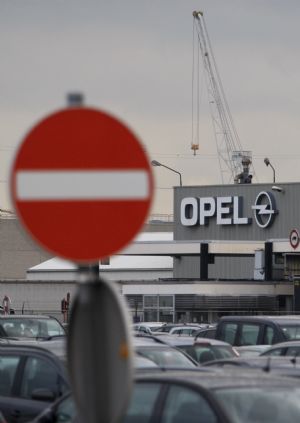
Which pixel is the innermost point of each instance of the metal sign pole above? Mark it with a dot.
(99, 349)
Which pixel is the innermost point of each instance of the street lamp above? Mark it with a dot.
(156, 163)
(267, 163)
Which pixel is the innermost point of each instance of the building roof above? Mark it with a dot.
(118, 261)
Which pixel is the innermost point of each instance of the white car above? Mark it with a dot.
(146, 327)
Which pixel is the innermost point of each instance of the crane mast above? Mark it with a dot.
(234, 162)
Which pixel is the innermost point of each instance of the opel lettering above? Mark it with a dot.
(228, 211)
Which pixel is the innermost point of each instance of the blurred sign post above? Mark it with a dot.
(82, 187)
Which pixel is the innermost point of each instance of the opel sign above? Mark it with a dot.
(227, 210)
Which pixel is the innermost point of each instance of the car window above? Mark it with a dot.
(65, 411)
(274, 352)
(290, 331)
(166, 357)
(210, 333)
(257, 404)
(268, 338)
(183, 405)
(31, 328)
(40, 374)
(229, 332)
(8, 368)
(142, 403)
(293, 351)
(249, 334)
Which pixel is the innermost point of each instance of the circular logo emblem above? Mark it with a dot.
(264, 209)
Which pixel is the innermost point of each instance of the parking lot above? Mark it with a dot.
(178, 377)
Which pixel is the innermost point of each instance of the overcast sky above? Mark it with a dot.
(133, 58)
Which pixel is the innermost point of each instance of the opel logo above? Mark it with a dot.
(264, 209)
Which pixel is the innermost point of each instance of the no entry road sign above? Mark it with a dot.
(81, 184)
(294, 238)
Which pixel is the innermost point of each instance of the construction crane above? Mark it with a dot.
(234, 162)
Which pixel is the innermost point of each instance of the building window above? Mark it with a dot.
(166, 301)
(159, 308)
(150, 301)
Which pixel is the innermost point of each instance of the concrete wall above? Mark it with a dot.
(17, 251)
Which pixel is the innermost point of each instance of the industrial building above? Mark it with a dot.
(233, 248)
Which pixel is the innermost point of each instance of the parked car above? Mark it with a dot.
(201, 349)
(168, 327)
(283, 366)
(186, 330)
(289, 348)
(160, 353)
(22, 326)
(209, 333)
(257, 330)
(251, 350)
(147, 327)
(188, 396)
(30, 378)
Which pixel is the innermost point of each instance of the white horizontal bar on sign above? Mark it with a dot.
(82, 185)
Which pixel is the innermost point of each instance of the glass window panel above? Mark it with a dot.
(229, 332)
(276, 352)
(150, 315)
(183, 405)
(166, 301)
(261, 404)
(291, 331)
(166, 316)
(142, 403)
(8, 368)
(150, 301)
(66, 411)
(268, 335)
(39, 374)
(249, 334)
(293, 351)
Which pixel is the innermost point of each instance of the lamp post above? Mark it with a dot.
(156, 163)
(267, 163)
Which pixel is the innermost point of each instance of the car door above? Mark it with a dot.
(10, 366)
(29, 374)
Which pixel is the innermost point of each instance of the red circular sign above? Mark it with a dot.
(294, 238)
(81, 184)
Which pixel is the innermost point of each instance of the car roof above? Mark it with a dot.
(56, 346)
(289, 318)
(175, 325)
(147, 340)
(180, 340)
(187, 327)
(25, 316)
(148, 324)
(234, 378)
(261, 361)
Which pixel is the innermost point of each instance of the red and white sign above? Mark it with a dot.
(294, 238)
(82, 184)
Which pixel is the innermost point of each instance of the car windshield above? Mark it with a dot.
(165, 357)
(290, 331)
(30, 328)
(203, 353)
(261, 404)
